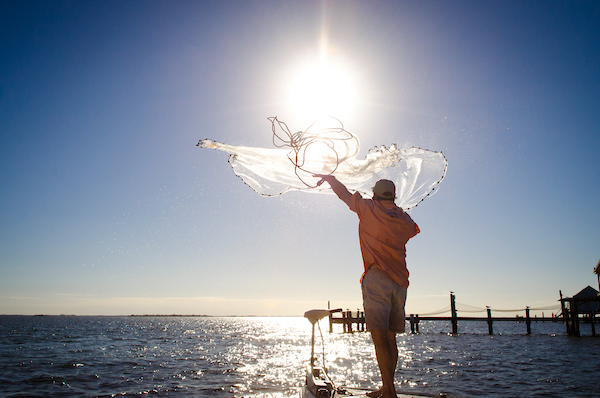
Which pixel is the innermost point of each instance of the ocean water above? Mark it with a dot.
(81, 356)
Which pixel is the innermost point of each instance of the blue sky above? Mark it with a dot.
(108, 207)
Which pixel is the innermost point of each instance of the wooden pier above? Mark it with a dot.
(347, 320)
(352, 321)
(489, 319)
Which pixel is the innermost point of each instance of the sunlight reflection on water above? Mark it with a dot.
(266, 357)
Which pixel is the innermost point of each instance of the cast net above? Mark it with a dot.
(326, 147)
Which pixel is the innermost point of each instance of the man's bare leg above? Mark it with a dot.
(386, 351)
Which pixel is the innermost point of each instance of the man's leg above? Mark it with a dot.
(384, 310)
(386, 351)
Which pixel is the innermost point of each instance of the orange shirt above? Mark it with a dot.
(383, 230)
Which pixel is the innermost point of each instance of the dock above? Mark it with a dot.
(354, 321)
(349, 321)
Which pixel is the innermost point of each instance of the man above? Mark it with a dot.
(384, 229)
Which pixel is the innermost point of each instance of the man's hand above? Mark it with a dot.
(340, 189)
(323, 178)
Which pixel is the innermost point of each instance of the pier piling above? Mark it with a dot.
(454, 317)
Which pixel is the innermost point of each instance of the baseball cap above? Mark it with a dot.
(385, 189)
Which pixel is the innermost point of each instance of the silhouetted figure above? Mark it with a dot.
(384, 229)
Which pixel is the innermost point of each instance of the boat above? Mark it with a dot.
(318, 384)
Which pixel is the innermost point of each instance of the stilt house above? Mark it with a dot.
(583, 305)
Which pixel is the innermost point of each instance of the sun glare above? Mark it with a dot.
(323, 90)
(319, 157)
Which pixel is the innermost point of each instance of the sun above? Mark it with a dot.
(324, 88)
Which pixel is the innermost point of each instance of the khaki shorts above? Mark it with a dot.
(383, 300)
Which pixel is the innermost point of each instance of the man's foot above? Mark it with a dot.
(374, 394)
(381, 394)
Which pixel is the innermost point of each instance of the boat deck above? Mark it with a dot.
(351, 392)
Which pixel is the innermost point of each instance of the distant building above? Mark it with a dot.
(587, 307)
(585, 303)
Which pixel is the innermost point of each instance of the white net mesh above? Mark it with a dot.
(326, 148)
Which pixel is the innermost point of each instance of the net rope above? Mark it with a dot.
(301, 142)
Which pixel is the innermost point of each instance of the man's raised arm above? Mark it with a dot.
(340, 189)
